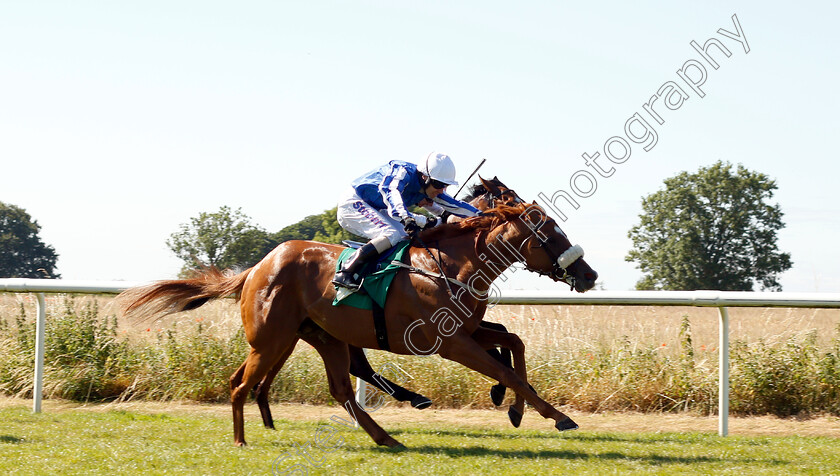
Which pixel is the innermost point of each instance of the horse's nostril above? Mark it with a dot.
(591, 277)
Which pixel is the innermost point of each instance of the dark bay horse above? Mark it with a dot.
(423, 314)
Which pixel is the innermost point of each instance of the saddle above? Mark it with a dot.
(376, 276)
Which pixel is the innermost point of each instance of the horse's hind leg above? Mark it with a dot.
(497, 392)
(507, 340)
(336, 358)
(256, 366)
(236, 377)
(262, 388)
(264, 354)
(360, 367)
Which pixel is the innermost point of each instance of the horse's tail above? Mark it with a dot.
(167, 297)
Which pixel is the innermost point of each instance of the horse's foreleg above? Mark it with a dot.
(463, 349)
(360, 367)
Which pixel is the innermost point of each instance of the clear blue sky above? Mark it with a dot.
(121, 120)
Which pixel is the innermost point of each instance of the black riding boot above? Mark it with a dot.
(348, 276)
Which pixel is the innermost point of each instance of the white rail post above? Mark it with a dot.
(361, 391)
(723, 370)
(40, 333)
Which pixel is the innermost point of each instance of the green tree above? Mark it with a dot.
(323, 227)
(224, 239)
(227, 239)
(331, 232)
(713, 229)
(305, 229)
(22, 253)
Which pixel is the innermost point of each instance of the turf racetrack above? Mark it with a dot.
(143, 438)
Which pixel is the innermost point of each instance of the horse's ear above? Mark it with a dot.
(499, 184)
(489, 186)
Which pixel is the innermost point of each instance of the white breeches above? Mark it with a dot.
(358, 217)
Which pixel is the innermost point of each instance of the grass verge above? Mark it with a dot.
(196, 439)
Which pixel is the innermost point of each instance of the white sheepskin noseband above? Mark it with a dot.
(569, 256)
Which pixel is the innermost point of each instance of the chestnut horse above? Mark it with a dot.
(483, 196)
(292, 285)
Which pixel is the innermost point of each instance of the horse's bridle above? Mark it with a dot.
(493, 197)
(560, 263)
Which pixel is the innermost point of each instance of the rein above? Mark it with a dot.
(425, 272)
(559, 269)
(440, 268)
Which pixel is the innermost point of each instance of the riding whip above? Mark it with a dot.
(468, 178)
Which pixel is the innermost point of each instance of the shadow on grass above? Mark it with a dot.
(10, 439)
(555, 435)
(652, 459)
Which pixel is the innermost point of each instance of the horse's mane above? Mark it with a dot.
(474, 191)
(489, 219)
(479, 189)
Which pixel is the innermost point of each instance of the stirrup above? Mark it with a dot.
(347, 282)
(342, 293)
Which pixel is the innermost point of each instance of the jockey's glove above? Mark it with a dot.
(431, 223)
(410, 225)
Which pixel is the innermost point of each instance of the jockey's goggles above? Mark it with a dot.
(438, 184)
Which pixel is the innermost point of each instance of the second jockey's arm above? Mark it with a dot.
(455, 206)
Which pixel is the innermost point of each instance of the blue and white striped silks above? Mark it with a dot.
(398, 185)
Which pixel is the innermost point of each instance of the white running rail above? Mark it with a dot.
(719, 299)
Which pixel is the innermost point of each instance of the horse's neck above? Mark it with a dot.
(457, 253)
(484, 255)
(501, 248)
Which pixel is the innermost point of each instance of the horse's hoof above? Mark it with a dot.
(567, 424)
(515, 417)
(392, 444)
(240, 444)
(497, 394)
(420, 402)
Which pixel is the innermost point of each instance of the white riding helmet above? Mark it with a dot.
(440, 167)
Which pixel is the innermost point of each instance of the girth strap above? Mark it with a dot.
(379, 326)
(379, 313)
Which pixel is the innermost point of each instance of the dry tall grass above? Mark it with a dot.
(584, 326)
(591, 357)
(548, 326)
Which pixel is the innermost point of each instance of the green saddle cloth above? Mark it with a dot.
(376, 278)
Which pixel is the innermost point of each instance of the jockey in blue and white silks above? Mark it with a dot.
(377, 207)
